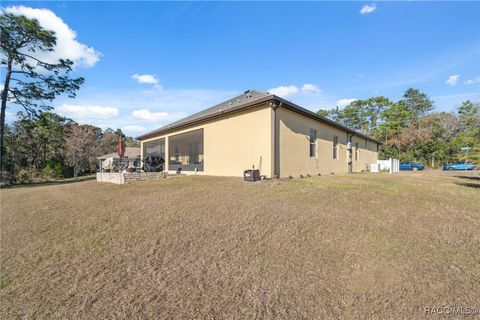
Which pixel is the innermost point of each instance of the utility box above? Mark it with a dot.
(251, 175)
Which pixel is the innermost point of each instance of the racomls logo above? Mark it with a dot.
(452, 310)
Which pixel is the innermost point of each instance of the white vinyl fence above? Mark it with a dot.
(390, 165)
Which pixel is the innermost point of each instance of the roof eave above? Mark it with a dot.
(306, 112)
(167, 129)
(290, 105)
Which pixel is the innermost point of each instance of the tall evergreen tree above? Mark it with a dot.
(30, 82)
(417, 103)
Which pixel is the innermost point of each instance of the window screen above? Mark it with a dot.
(154, 148)
(186, 151)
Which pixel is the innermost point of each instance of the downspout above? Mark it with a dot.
(276, 151)
(350, 158)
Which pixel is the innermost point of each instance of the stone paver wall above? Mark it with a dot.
(129, 177)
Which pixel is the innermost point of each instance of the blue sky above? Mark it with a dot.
(149, 63)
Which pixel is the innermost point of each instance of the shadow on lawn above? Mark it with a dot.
(471, 185)
(51, 182)
(475, 181)
(469, 178)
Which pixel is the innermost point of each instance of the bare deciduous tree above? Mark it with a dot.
(83, 145)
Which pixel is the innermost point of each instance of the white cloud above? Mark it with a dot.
(284, 91)
(453, 79)
(147, 115)
(134, 128)
(449, 102)
(369, 8)
(147, 78)
(310, 88)
(177, 103)
(473, 80)
(67, 46)
(86, 111)
(345, 102)
(163, 106)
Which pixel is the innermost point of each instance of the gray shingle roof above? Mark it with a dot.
(248, 98)
(245, 98)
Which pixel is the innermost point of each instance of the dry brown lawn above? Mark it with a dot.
(360, 246)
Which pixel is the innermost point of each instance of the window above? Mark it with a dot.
(186, 151)
(335, 147)
(313, 142)
(357, 151)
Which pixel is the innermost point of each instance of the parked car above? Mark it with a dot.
(404, 166)
(459, 166)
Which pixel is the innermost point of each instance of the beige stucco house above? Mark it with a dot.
(263, 131)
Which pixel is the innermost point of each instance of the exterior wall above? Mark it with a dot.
(294, 153)
(234, 143)
(372, 150)
(366, 156)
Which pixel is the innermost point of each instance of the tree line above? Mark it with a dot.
(410, 129)
(41, 144)
(50, 146)
(29, 82)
